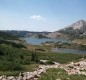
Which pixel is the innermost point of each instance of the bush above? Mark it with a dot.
(49, 62)
(34, 57)
(26, 61)
(9, 66)
(41, 62)
(10, 58)
(40, 50)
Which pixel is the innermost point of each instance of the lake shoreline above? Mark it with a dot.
(67, 50)
(62, 45)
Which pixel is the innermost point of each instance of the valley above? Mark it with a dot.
(24, 52)
(42, 39)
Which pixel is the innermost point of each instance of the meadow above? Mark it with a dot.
(60, 74)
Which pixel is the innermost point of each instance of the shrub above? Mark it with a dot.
(49, 62)
(9, 66)
(34, 57)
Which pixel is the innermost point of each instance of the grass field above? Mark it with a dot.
(46, 48)
(23, 58)
(28, 68)
(60, 74)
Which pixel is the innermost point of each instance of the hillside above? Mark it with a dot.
(77, 29)
(9, 39)
(6, 36)
(26, 33)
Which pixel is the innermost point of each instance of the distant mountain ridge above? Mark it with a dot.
(27, 33)
(76, 29)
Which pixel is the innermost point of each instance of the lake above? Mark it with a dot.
(38, 41)
(63, 50)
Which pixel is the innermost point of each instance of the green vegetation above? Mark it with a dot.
(50, 62)
(60, 74)
(30, 67)
(34, 57)
(16, 57)
(60, 57)
(10, 57)
(6, 36)
(9, 73)
(14, 60)
(9, 39)
(14, 44)
(70, 46)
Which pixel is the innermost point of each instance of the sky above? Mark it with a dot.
(40, 15)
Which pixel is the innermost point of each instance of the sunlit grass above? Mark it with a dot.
(60, 74)
(27, 68)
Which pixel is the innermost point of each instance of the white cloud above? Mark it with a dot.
(36, 17)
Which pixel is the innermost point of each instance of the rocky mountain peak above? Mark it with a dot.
(79, 24)
(76, 29)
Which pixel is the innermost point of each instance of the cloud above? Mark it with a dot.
(37, 17)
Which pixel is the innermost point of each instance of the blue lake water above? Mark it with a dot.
(38, 41)
(63, 50)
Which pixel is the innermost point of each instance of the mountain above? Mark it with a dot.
(77, 29)
(26, 33)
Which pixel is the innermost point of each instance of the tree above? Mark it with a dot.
(34, 57)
